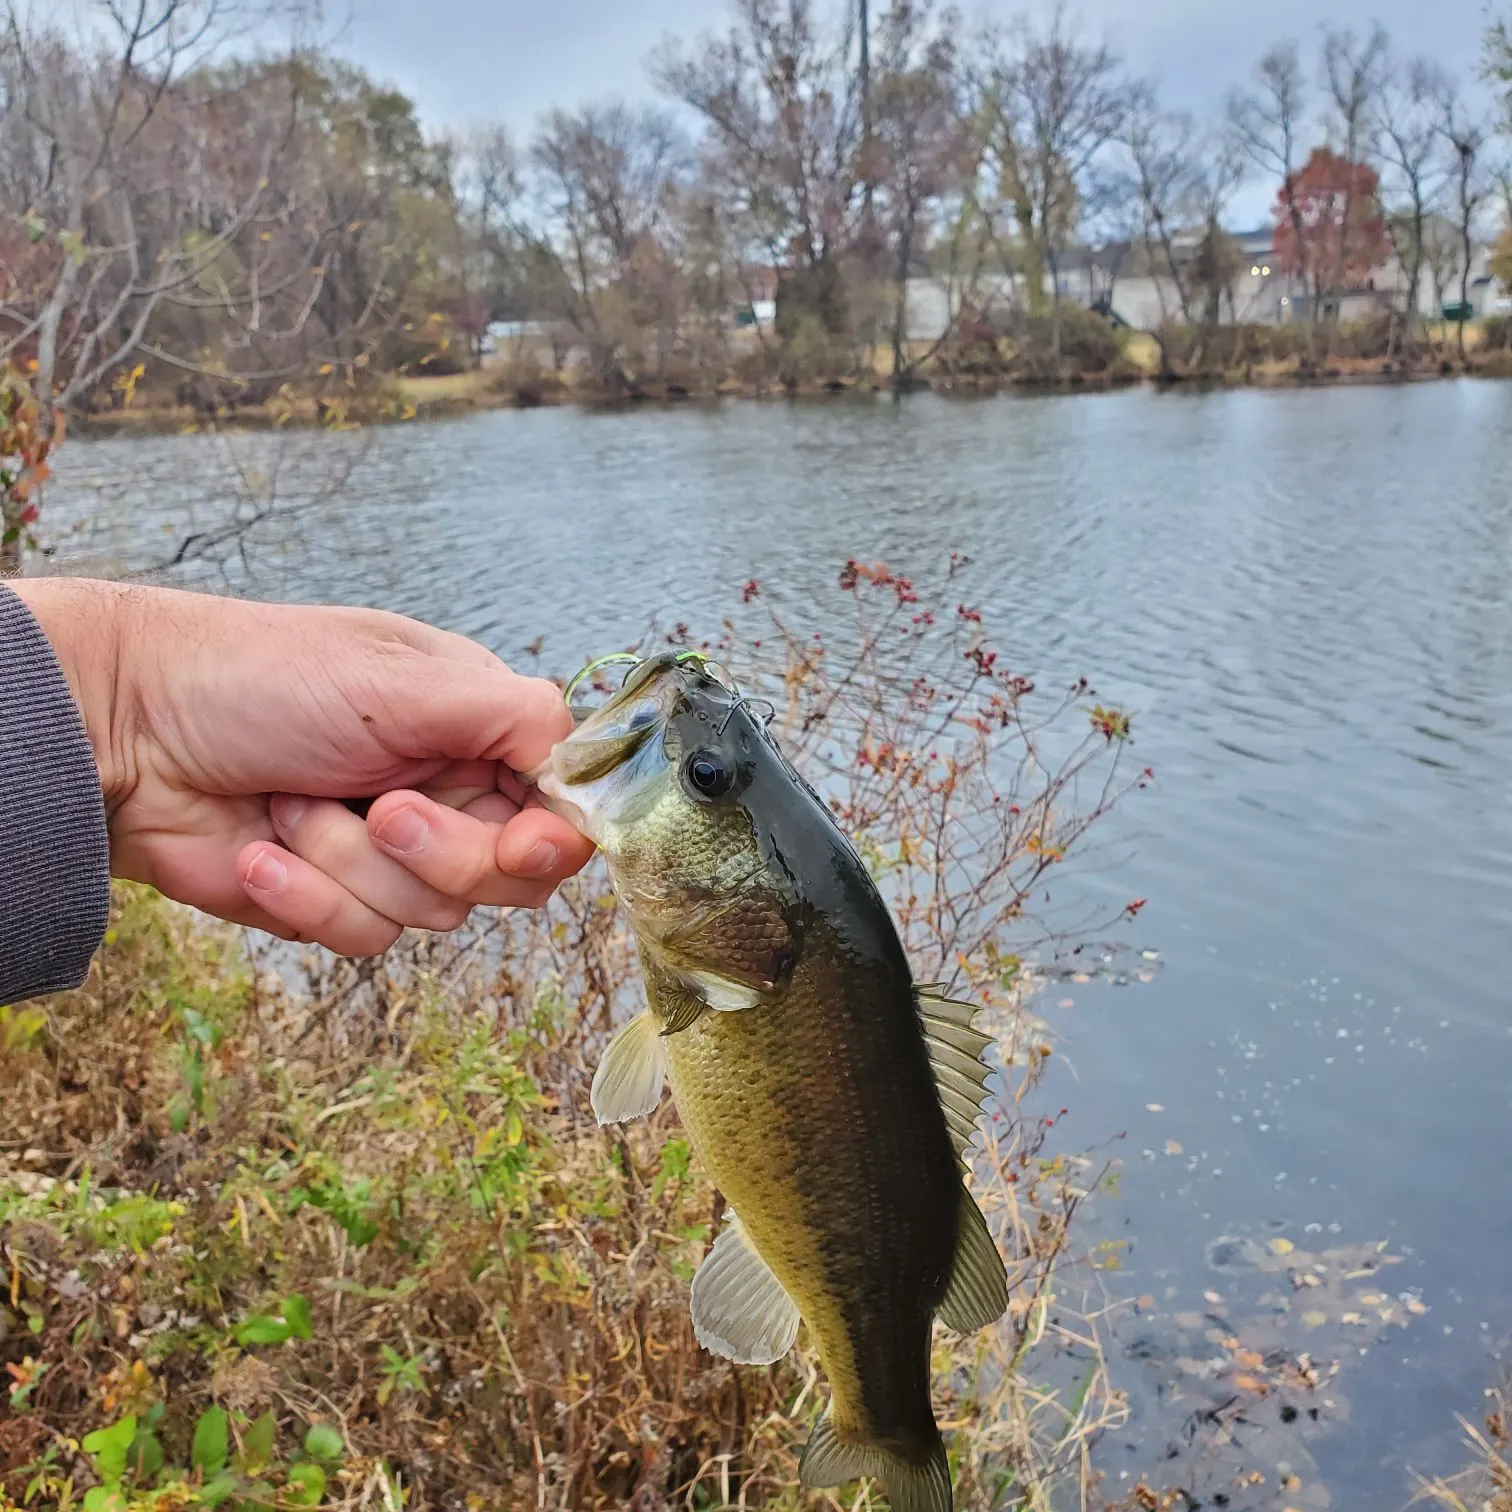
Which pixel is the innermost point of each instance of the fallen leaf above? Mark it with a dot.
(1211, 1296)
(1281, 1246)
(1372, 1299)
(1172, 1148)
(1145, 1303)
(1314, 1319)
(1248, 1359)
(1354, 1319)
(1189, 1320)
(1414, 1306)
(1249, 1383)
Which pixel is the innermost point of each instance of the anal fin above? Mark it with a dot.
(921, 1485)
(740, 1309)
(628, 1082)
(977, 1293)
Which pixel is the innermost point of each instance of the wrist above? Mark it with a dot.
(88, 624)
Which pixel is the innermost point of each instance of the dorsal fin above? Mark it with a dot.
(955, 1056)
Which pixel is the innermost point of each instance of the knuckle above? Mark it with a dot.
(441, 915)
(370, 939)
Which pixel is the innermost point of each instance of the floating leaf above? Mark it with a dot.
(1173, 1148)
(1281, 1246)
(1314, 1319)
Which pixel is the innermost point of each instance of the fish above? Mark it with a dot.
(830, 1097)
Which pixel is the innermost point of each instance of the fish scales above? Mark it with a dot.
(852, 1200)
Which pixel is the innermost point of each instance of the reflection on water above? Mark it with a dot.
(1305, 595)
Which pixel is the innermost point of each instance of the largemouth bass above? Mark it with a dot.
(829, 1096)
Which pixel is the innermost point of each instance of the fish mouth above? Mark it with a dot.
(618, 745)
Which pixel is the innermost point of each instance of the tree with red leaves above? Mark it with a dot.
(1328, 217)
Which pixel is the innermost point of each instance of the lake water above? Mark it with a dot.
(1306, 597)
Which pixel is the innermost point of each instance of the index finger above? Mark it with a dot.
(480, 712)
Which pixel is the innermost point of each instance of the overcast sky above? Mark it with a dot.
(509, 60)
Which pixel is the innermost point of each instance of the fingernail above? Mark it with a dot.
(266, 873)
(538, 860)
(287, 809)
(404, 832)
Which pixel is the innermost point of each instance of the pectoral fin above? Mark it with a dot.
(723, 994)
(628, 1082)
(740, 1309)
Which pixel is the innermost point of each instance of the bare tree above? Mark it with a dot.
(145, 184)
(1268, 120)
(920, 142)
(1465, 133)
(1051, 106)
(1182, 179)
(781, 105)
(1353, 74)
(1161, 153)
(610, 177)
(1407, 144)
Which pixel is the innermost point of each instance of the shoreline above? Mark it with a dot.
(483, 389)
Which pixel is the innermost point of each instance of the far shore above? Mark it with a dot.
(493, 387)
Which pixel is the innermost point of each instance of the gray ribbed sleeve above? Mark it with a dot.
(54, 851)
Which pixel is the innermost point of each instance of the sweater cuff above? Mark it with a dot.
(54, 846)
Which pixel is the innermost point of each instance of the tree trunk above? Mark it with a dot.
(1464, 298)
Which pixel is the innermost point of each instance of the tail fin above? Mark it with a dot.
(912, 1485)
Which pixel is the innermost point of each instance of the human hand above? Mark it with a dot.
(227, 732)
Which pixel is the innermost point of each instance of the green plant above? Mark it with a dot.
(292, 1322)
(400, 1373)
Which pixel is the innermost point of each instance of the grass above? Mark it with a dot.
(1485, 1485)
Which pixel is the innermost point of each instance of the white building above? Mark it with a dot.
(1116, 281)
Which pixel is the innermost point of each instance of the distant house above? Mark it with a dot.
(1120, 281)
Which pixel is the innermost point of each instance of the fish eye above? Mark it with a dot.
(709, 774)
